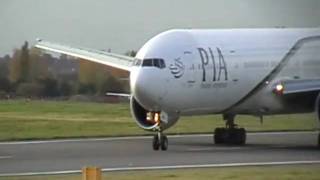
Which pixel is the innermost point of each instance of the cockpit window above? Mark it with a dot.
(147, 62)
(162, 64)
(137, 62)
(156, 62)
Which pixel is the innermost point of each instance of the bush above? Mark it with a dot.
(112, 85)
(29, 89)
(66, 88)
(3, 95)
(5, 85)
(50, 87)
(87, 89)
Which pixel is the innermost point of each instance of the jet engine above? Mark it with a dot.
(149, 120)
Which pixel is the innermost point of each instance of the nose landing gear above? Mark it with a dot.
(231, 134)
(160, 140)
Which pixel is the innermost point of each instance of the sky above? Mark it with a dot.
(122, 25)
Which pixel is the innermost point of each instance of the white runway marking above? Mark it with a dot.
(75, 140)
(216, 148)
(167, 167)
(5, 157)
(145, 137)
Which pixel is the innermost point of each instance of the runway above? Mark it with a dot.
(132, 153)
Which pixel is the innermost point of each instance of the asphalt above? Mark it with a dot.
(63, 156)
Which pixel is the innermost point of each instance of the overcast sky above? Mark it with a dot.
(127, 24)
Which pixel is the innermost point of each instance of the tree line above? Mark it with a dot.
(33, 74)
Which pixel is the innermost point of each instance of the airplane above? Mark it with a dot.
(231, 72)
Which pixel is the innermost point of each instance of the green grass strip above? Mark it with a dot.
(29, 120)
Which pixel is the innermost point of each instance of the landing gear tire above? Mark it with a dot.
(235, 136)
(155, 142)
(164, 143)
(238, 136)
(160, 141)
(243, 134)
(219, 135)
(231, 134)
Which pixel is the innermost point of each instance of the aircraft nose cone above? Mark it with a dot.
(146, 88)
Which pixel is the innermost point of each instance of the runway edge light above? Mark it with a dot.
(91, 173)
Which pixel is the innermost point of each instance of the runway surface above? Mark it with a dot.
(66, 156)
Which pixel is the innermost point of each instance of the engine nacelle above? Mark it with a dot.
(140, 114)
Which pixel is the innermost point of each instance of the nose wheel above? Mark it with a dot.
(160, 141)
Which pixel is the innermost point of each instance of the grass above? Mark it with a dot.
(23, 120)
(267, 172)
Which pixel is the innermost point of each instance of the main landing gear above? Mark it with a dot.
(160, 141)
(231, 134)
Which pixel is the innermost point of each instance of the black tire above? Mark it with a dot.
(237, 136)
(155, 142)
(233, 137)
(218, 136)
(164, 143)
(242, 136)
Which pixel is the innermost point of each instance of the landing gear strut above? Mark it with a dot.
(160, 141)
(231, 134)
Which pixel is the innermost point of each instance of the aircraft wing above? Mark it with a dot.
(101, 57)
(118, 94)
(297, 86)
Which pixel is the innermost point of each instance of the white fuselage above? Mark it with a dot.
(214, 71)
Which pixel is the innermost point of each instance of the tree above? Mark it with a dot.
(29, 89)
(38, 66)
(25, 63)
(66, 88)
(50, 87)
(87, 72)
(20, 65)
(87, 77)
(15, 66)
(86, 89)
(5, 84)
(4, 63)
(112, 85)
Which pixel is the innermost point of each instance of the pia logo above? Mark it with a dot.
(177, 69)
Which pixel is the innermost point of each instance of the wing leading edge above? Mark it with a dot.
(101, 57)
